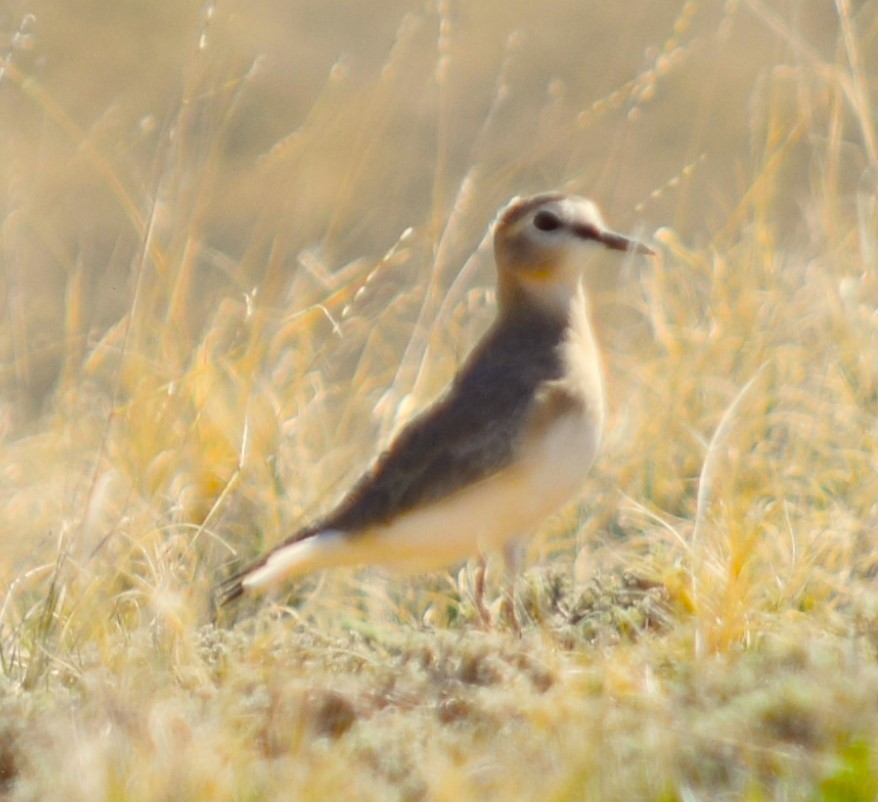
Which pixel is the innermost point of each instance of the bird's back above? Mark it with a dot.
(470, 433)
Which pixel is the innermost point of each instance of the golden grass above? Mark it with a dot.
(241, 246)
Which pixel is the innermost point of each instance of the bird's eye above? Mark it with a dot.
(546, 221)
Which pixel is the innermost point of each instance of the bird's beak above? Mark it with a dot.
(617, 242)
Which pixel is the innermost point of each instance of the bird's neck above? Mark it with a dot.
(584, 369)
(548, 309)
(534, 324)
(551, 294)
(569, 336)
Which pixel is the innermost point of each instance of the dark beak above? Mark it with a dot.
(617, 242)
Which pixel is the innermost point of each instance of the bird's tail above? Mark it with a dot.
(306, 552)
(230, 590)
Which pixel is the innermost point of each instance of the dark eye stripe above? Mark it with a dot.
(546, 221)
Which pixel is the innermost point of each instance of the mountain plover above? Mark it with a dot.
(509, 442)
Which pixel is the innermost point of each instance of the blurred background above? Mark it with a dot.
(242, 241)
(235, 136)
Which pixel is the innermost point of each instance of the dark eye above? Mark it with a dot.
(546, 221)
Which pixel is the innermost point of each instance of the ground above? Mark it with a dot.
(241, 246)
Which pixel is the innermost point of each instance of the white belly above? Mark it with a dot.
(493, 512)
(484, 517)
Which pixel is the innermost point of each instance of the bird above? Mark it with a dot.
(508, 443)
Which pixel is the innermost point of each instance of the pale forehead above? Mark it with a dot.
(580, 209)
(571, 208)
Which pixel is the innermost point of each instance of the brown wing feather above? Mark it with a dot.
(469, 434)
(466, 436)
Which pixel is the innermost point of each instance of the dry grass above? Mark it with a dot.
(241, 246)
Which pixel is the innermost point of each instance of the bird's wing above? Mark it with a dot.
(458, 441)
(469, 434)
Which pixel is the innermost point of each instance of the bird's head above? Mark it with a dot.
(542, 244)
